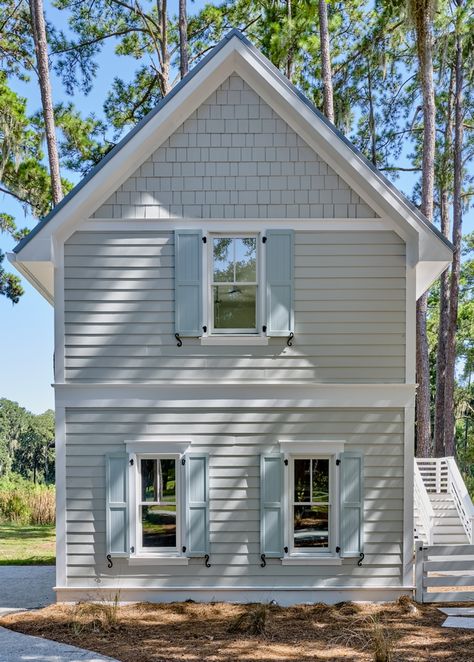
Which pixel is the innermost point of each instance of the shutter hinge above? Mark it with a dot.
(264, 240)
(204, 328)
(264, 328)
(204, 240)
(289, 339)
(183, 461)
(206, 561)
(264, 561)
(285, 462)
(338, 462)
(285, 549)
(183, 548)
(180, 342)
(131, 463)
(132, 549)
(338, 549)
(361, 558)
(110, 563)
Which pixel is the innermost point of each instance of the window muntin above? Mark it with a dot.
(311, 504)
(158, 505)
(234, 284)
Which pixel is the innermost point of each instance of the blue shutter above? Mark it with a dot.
(352, 504)
(271, 505)
(279, 277)
(117, 504)
(197, 505)
(188, 282)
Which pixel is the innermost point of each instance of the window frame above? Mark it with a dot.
(319, 452)
(209, 283)
(137, 529)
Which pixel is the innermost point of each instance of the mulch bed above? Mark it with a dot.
(219, 632)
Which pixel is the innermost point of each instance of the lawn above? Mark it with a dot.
(218, 632)
(27, 545)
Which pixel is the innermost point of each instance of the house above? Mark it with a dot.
(234, 289)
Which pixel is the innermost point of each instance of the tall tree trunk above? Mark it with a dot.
(165, 56)
(373, 137)
(328, 93)
(423, 24)
(183, 39)
(449, 436)
(440, 405)
(289, 59)
(41, 50)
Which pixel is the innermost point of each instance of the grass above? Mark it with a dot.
(27, 545)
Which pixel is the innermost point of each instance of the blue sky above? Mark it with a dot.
(26, 329)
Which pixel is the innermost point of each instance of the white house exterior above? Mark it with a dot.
(234, 291)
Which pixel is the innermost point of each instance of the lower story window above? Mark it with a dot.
(311, 504)
(158, 515)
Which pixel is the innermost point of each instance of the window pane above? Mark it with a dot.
(246, 259)
(235, 306)
(149, 483)
(311, 526)
(159, 526)
(167, 480)
(321, 480)
(223, 260)
(302, 478)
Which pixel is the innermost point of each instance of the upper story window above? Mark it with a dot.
(234, 284)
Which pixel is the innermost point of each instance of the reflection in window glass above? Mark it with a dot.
(234, 289)
(235, 306)
(157, 510)
(311, 503)
(311, 525)
(158, 526)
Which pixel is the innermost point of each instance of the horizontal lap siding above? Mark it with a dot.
(349, 313)
(234, 441)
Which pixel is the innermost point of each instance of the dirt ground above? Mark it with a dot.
(191, 632)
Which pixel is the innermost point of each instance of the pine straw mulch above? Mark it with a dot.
(219, 632)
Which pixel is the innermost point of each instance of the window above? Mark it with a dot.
(310, 505)
(234, 285)
(158, 514)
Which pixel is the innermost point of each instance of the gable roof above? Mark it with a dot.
(239, 45)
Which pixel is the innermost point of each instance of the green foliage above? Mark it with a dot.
(26, 442)
(23, 502)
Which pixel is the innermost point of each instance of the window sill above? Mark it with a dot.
(229, 340)
(311, 560)
(158, 560)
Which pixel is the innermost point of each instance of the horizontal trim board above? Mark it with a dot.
(248, 395)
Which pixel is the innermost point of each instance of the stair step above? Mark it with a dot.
(449, 540)
(455, 529)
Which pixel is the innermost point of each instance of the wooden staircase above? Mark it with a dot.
(444, 532)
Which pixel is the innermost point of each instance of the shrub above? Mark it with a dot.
(23, 502)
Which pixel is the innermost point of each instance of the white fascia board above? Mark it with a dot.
(335, 152)
(40, 274)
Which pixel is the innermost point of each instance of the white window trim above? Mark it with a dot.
(156, 448)
(305, 449)
(233, 336)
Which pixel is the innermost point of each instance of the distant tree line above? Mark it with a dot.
(26, 443)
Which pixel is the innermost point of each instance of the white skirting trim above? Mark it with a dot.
(284, 596)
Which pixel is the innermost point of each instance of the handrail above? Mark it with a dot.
(423, 503)
(462, 500)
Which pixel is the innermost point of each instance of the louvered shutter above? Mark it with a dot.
(352, 504)
(188, 283)
(117, 505)
(271, 505)
(279, 282)
(197, 504)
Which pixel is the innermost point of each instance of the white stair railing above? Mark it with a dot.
(423, 504)
(434, 472)
(457, 488)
